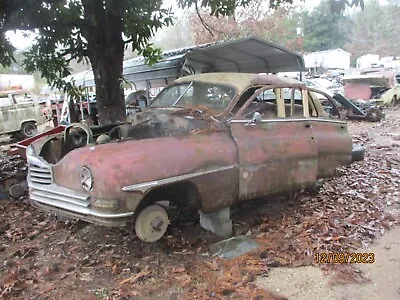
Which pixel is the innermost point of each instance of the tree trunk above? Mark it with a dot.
(106, 53)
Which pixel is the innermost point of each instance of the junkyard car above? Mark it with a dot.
(325, 84)
(381, 88)
(19, 114)
(206, 141)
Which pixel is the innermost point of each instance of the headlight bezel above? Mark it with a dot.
(30, 151)
(86, 178)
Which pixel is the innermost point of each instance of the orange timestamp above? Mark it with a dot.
(344, 258)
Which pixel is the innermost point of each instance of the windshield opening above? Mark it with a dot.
(192, 94)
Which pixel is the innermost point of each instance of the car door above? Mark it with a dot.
(333, 139)
(277, 153)
(9, 114)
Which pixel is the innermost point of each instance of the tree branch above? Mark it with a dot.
(206, 26)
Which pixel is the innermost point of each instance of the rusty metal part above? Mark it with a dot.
(20, 147)
(274, 157)
(374, 114)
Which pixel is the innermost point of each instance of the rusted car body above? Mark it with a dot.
(379, 87)
(207, 141)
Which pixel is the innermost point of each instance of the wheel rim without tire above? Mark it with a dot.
(151, 223)
(29, 130)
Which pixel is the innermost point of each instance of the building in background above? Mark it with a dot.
(16, 82)
(367, 61)
(327, 59)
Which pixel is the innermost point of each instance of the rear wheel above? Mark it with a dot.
(151, 223)
(28, 130)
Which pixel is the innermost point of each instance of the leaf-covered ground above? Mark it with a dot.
(45, 258)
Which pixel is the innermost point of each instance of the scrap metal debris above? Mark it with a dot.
(13, 171)
(233, 247)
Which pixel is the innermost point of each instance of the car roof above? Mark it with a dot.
(241, 80)
(12, 92)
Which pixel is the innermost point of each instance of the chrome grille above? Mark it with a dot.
(59, 197)
(40, 174)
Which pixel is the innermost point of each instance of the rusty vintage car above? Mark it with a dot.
(206, 141)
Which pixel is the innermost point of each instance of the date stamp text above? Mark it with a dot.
(344, 258)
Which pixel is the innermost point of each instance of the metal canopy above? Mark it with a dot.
(247, 55)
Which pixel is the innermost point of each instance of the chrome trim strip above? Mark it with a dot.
(38, 174)
(58, 190)
(292, 120)
(78, 209)
(51, 196)
(38, 162)
(46, 171)
(143, 187)
(39, 171)
(70, 214)
(71, 201)
(38, 180)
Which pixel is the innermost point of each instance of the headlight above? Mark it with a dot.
(30, 151)
(86, 179)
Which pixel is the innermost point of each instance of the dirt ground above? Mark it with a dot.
(310, 282)
(42, 257)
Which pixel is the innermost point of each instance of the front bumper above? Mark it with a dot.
(48, 196)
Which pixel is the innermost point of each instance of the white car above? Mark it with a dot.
(19, 114)
(325, 84)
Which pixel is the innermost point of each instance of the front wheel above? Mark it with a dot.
(28, 130)
(151, 223)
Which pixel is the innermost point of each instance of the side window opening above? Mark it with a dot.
(244, 97)
(5, 101)
(311, 104)
(293, 102)
(265, 103)
(322, 105)
(287, 102)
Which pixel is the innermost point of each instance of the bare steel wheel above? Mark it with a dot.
(28, 129)
(151, 223)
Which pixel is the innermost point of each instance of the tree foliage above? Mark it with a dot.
(85, 29)
(257, 20)
(98, 31)
(375, 30)
(323, 29)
